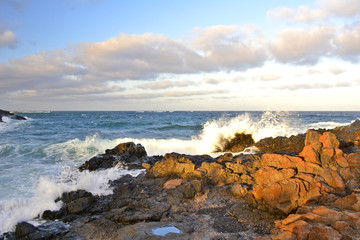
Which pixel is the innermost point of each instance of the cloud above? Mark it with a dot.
(301, 14)
(315, 85)
(7, 38)
(165, 84)
(230, 47)
(138, 57)
(211, 80)
(336, 70)
(302, 46)
(347, 43)
(324, 10)
(268, 77)
(343, 8)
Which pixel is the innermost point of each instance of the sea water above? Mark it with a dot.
(39, 157)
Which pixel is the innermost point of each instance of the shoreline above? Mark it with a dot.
(278, 192)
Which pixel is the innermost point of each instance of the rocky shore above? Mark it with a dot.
(302, 187)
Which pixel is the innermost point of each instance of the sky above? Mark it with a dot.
(158, 55)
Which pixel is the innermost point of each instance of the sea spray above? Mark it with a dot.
(50, 188)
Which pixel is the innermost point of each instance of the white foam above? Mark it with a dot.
(326, 125)
(271, 124)
(48, 189)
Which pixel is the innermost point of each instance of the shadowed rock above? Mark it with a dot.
(237, 144)
(10, 115)
(123, 154)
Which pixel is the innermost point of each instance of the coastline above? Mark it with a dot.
(227, 197)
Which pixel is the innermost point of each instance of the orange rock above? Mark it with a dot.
(324, 233)
(333, 179)
(301, 229)
(171, 184)
(342, 162)
(329, 140)
(353, 218)
(310, 155)
(348, 201)
(327, 156)
(331, 215)
(342, 227)
(311, 137)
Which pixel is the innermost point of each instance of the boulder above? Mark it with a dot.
(23, 229)
(123, 154)
(289, 145)
(236, 144)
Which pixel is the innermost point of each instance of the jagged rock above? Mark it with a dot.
(286, 182)
(289, 145)
(124, 153)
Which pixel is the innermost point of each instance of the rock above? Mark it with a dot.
(123, 154)
(236, 144)
(23, 229)
(10, 115)
(173, 165)
(293, 144)
(324, 233)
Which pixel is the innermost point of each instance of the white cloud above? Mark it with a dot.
(7, 38)
(268, 77)
(301, 14)
(230, 47)
(302, 46)
(340, 8)
(347, 43)
(323, 11)
(336, 70)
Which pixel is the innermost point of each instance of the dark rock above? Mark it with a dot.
(124, 154)
(10, 115)
(23, 229)
(237, 144)
(293, 144)
(74, 195)
(79, 205)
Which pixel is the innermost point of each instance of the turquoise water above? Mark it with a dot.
(38, 157)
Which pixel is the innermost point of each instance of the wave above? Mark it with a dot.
(327, 125)
(268, 125)
(48, 189)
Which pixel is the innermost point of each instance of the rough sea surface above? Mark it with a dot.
(39, 157)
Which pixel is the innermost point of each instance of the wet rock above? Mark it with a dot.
(123, 154)
(236, 144)
(23, 229)
(10, 115)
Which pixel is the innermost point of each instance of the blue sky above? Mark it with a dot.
(179, 55)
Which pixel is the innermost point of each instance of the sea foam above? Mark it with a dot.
(49, 188)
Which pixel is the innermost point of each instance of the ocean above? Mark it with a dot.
(39, 157)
